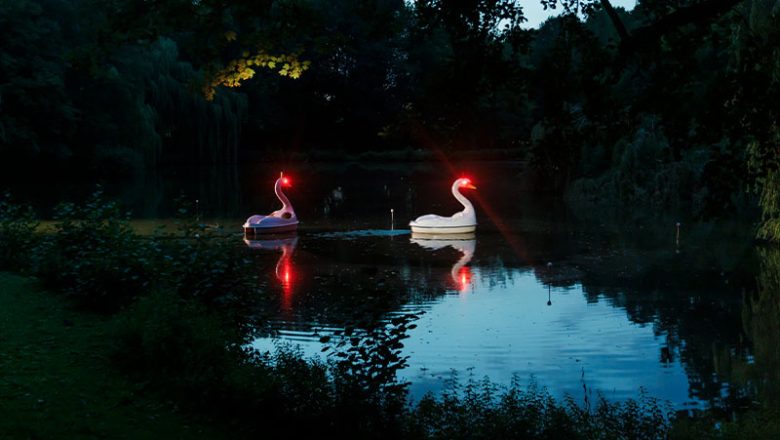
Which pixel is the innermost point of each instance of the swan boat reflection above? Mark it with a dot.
(284, 268)
(464, 243)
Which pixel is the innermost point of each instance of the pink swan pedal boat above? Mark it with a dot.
(281, 220)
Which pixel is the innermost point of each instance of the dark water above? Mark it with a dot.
(619, 302)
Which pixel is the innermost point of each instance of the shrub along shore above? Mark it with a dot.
(164, 318)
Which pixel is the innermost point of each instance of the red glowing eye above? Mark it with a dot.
(286, 181)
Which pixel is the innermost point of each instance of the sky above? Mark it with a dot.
(536, 14)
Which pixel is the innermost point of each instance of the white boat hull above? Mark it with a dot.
(460, 229)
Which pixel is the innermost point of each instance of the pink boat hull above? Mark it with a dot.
(255, 230)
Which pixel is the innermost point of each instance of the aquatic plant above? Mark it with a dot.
(479, 409)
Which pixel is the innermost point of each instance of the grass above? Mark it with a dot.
(55, 381)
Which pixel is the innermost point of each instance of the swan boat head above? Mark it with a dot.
(461, 222)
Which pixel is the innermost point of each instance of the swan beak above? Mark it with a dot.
(469, 186)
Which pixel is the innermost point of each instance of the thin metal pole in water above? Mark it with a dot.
(392, 220)
(677, 237)
(549, 284)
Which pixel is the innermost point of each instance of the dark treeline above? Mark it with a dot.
(671, 104)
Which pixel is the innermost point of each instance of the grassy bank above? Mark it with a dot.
(55, 381)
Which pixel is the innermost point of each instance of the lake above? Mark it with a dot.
(614, 317)
(590, 301)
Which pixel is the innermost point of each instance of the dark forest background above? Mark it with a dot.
(674, 103)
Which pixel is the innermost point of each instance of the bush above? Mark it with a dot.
(183, 349)
(201, 262)
(17, 235)
(169, 338)
(94, 255)
(364, 366)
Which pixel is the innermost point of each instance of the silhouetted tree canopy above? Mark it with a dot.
(671, 104)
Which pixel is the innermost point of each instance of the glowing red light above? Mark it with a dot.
(465, 182)
(285, 181)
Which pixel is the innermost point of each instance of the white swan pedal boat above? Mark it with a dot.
(462, 222)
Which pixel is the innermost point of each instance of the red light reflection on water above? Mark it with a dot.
(464, 278)
(285, 273)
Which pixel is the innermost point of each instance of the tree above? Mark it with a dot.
(228, 41)
(665, 16)
(465, 75)
(36, 114)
